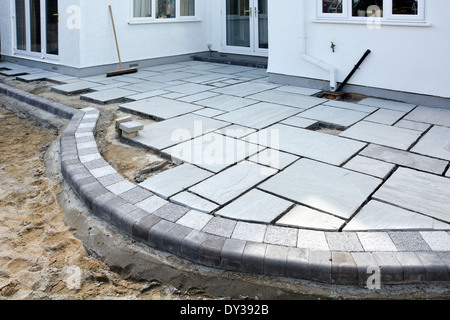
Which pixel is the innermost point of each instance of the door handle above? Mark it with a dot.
(249, 11)
(56, 15)
(256, 12)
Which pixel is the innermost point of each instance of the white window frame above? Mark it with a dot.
(153, 19)
(387, 18)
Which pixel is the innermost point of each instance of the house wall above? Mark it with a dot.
(403, 58)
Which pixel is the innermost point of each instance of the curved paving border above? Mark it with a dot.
(402, 257)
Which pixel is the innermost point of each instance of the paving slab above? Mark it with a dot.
(145, 86)
(409, 241)
(160, 108)
(198, 96)
(194, 202)
(287, 98)
(437, 241)
(171, 76)
(236, 131)
(189, 88)
(274, 158)
(386, 116)
(244, 89)
(195, 219)
(376, 168)
(298, 90)
(388, 104)
(247, 231)
(331, 115)
(212, 151)
(304, 217)
(259, 115)
(315, 145)
(74, 87)
(330, 189)
(351, 106)
(207, 77)
(435, 143)
(255, 206)
(107, 96)
(164, 134)
(376, 241)
(226, 102)
(417, 191)
(282, 236)
(231, 183)
(312, 239)
(405, 159)
(36, 76)
(209, 112)
(299, 122)
(173, 181)
(385, 135)
(435, 116)
(379, 216)
(413, 125)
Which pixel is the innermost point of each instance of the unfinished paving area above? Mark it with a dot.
(270, 178)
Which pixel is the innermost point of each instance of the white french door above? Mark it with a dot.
(36, 28)
(246, 27)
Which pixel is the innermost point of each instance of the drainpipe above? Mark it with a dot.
(318, 62)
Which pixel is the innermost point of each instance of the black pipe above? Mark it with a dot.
(353, 71)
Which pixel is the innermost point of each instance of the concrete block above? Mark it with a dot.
(253, 257)
(191, 243)
(297, 263)
(343, 268)
(231, 254)
(209, 252)
(136, 195)
(173, 239)
(364, 263)
(275, 260)
(142, 228)
(171, 212)
(320, 266)
(413, 270)
(390, 267)
(158, 232)
(435, 268)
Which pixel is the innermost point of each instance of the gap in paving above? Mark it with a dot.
(327, 128)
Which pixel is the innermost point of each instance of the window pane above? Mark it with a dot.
(165, 9)
(367, 8)
(142, 8)
(35, 25)
(187, 8)
(21, 35)
(52, 26)
(263, 34)
(332, 6)
(405, 7)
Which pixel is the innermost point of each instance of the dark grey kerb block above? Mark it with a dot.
(275, 260)
(191, 243)
(118, 213)
(105, 204)
(390, 268)
(365, 263)
(435, 268)
(413, 269)
(141, 229)
(320, 266)
(89, 192)
(173, 239)
(253, 257)
(158, 232)
(232, 251)
(80, 183)
(297, 263)
(209, 252)
(343, 268)
(129, 220)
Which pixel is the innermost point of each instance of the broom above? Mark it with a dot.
(121, 71)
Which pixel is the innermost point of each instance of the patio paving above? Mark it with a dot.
(253, 166)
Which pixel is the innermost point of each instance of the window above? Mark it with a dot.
(386, 10)
(152, 10)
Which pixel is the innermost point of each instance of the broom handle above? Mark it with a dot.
(115, 36)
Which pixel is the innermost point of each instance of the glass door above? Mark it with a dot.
(246, 26)
(36, 28)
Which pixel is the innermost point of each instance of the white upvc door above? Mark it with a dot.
(245, 27)
(35, 25)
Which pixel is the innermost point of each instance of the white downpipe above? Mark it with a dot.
(318, 62)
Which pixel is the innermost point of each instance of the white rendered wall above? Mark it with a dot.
(5, 27)
(403, 58)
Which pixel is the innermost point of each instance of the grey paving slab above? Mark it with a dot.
(304, 217)
(220, 227)
(417, 191)
(171, 212)
(231, 183)
(376, 241)
(385, 135)
(74, 87)
(171, 76)
(379, 216)
(209, 112)
(287, 98)
(274, 158)
(388, 104)
(189, 88)
(299, 122)
(255, 206)
(259, 115)
(373, 167)
(160, 108)
(351, 106)
(409, 241)
(448, 173)
(226, 102)
(330, 189)
(36, 76)
(281, 236)
(405, 159)
(244, 89)
(435, 116)
(413, 125)
(151, 204)
(236, 131)
(386, 116)
(207, 77)
(437, 241)
(198, 96)
(315, 145)
(146, 86)
(195, 202)
(231, 69)
(313, 240)
(254, 232)
(170, 132)
(195, 219)
(212, 151)
(343, 241)
(298, 90)
(173, 181)
(331, 115)
(146, 95)
(435, 143)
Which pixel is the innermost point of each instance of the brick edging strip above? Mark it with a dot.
(100, 187)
